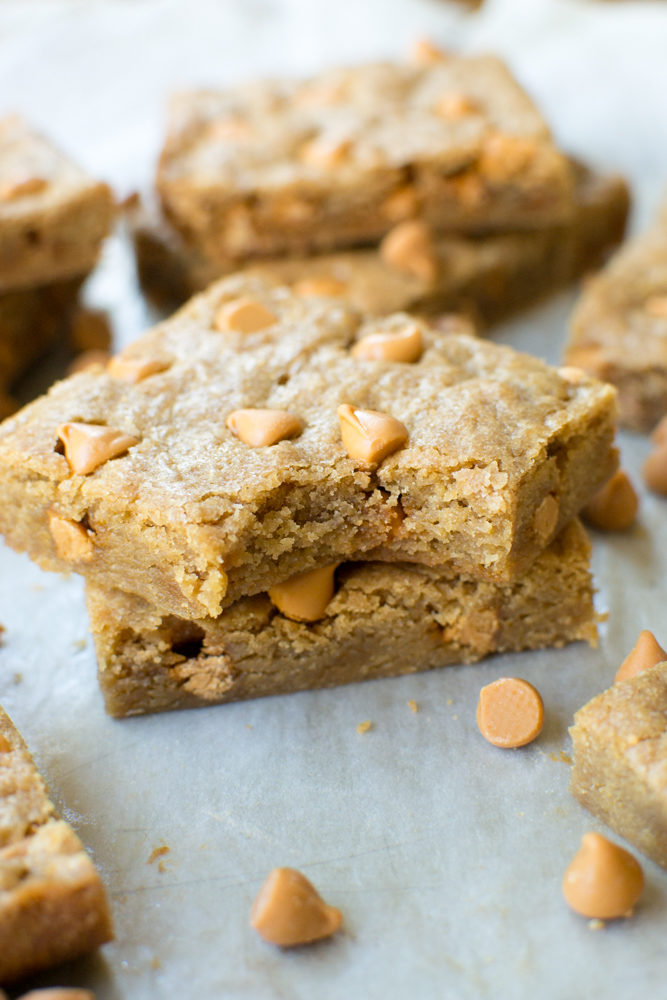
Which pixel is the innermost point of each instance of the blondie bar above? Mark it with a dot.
(52, 903)
(620, 759)
(53, 216)
(157, 475)
(384, 620)
(489, 277)
(336, 161)
(619, 328)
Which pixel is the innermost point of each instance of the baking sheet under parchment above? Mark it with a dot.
(445, 854)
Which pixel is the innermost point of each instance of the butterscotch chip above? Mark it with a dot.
(263, 427)
(425, 52)
(603, 881)
(369, 436)
(546, 517)
(506, 156)
(135, 369)
(326, 286)
(244, 315)
(325, 152)
(20, 187)
(5, 745)
(656, 305)
(72, 541)
(614, 507)
(232, 129)
(456, 106)
(646, 652)
(510, 712)
(305, 597)
(87, 446)
(289, 911)
(409, 247)
(573, 374)
(88, 360)
(401, 204)
(407, 345)
(655, 470)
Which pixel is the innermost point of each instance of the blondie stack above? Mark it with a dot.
(53, 218)
(270, 491)
(432, 186)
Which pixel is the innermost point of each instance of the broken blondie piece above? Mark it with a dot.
(620, 759)
(52, 903)
(490, 276)
(336, 161)
(469, 455)
(383, 620)
(618, 331)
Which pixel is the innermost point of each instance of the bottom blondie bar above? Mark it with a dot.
(52, 902)
(620, 759)
(384, 620)
(489, 277)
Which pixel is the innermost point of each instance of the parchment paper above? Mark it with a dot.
(445, 854)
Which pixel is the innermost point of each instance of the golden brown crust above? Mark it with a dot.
(52, 903)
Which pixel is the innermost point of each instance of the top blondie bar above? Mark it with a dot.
(338, 160)
(164, 475)
(53, 216)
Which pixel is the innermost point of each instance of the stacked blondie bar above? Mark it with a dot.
(53, 218)
(430, 186)
(270, 491)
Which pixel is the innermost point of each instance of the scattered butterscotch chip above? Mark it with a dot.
(656, 305)
(90, 330)
(409, 247)
(401, 204)
(425, 52)
(369, 436)
(506, 156)
(325, 152)
(364, 726)
(414, 707)
(546, 516)
(87, 446)
(510, 712)
(572, 374)
(455, 105)
(289, 911)
(245, 315)
(58, 993)
(655, 469)
(406, 345)
(135, 369)
(304, 597)
(88, 360)
(19, 187)
(614, 507)
(328, 287)
(603, 881)
(263, 427)
(72, 540)
(646, 652)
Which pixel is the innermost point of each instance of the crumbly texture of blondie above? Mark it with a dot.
(53, 216)
(489, 277)
(336, 161)
(618, 330)
(502, 451)
(384, 620)
(32, 320)
(52, 903)
(620, 759)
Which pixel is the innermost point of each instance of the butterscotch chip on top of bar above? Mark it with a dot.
(496, 452)
(53, 216)
(295, 166)
(620, 759)
(378, 620)
(618, 330)
(490, 276)
(52, 903)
